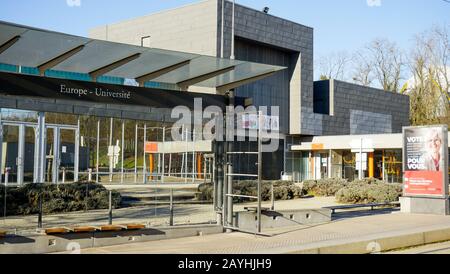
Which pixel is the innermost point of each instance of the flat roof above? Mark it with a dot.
(348, 142)
(44, 49)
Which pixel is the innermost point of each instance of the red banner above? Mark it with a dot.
(423, 183)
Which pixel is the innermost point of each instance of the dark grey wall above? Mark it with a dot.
(274, 32)
(365, 110)
(271, 91)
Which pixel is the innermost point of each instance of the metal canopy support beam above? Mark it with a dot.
(9, 43)
(185, 84)
(59, 59)
(103, 70)
(153, 75)
(232, 85)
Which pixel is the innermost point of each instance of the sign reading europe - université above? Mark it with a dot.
(425, 154)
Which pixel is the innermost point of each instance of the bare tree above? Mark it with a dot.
(429, 88)
(388, 63)
(334, 65)
(362, 69)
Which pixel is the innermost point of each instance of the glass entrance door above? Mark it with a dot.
(62, 154)
(17, 152)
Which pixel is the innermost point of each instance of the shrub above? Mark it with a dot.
(369, 191)
(324, 187)
(57, 198)
(282, 191)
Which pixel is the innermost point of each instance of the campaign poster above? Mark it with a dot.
(425, 151)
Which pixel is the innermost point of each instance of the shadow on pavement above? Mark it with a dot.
(362, 213)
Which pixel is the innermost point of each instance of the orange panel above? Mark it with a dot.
(317, 146)
(371, 165)
(199, 166)
(151, 147)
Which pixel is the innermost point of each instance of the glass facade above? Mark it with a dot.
(91, 148)
(314, 165)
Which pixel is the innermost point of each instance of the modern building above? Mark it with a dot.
(309, 110)
(75, 108)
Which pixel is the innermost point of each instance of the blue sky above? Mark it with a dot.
(338, 24)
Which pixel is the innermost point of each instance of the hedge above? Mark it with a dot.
(57, 198)
(324, 187)
(369, 191)
(282, 191)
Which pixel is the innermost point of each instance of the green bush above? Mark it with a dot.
(57, 198)
(369, 191)
(324, 187)
(282, 191)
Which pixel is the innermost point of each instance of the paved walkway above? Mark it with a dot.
(153, 215)
(285, 241)
(439, 248)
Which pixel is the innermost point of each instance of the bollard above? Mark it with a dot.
(171, 208)
(272, 198)
(90, 175)
(7, 175)
(110, 208)
(40, 211)
(63, 175)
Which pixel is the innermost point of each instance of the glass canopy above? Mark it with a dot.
(43, 49)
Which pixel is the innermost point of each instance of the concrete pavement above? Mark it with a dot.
(346, 234)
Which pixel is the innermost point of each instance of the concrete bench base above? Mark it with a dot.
(277, 219)
(72, 242)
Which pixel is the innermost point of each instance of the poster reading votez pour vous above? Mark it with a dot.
(426, 161)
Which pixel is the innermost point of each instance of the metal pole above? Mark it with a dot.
(272, 197)
(232, 57)
(186, 158)
(111, 157)
(259, 169)
(21, 155)
(76, 166)
(110, 213)
(361, 160)
(163, 155)
(229, 198)
(98, 152)
(193, 157)
(171, 208)
(6, 186)
(122, 152)
(144, 168)
(135, 152)
(40, 210)
(222, 30)
(220, 178)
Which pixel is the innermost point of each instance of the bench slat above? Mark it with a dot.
(110, 228)
(82, 229)
(57, 230)
(134, 226)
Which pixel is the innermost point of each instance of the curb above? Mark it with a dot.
(374, 244)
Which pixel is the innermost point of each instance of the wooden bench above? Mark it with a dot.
(372, 206)
(58, 230)
(2, 233)
(84, 229)
(110, 228)
(134, 226)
